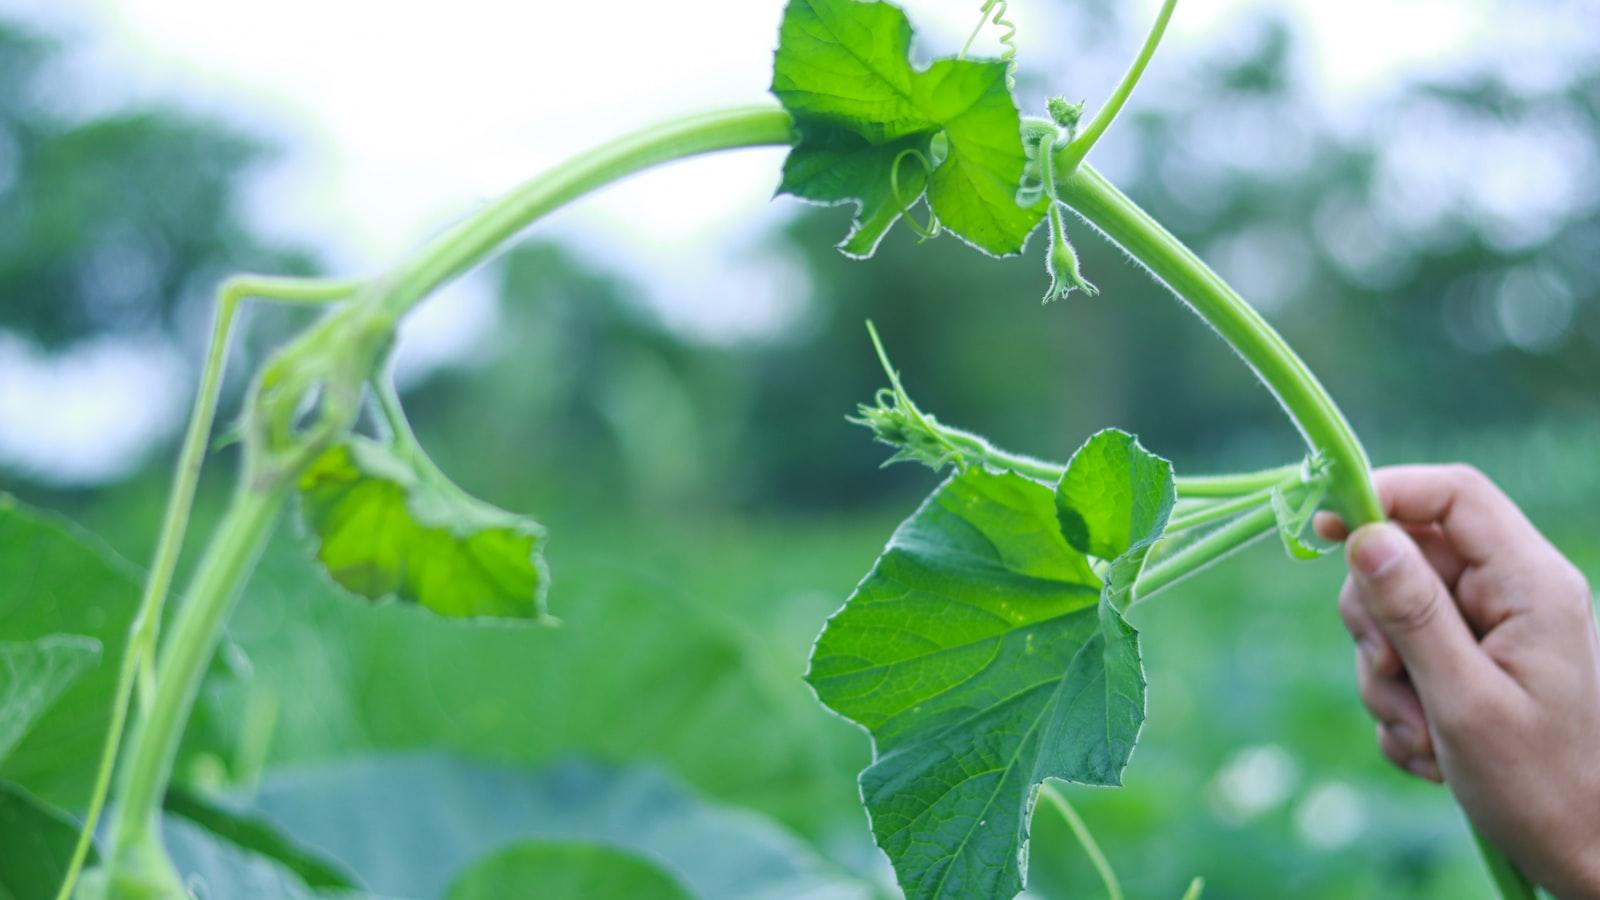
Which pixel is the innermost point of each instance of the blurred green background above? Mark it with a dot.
(709, 506)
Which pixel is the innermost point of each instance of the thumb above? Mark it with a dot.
(1412, 607)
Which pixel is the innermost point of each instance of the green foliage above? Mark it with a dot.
(35, 844)
(55, 580)
(372, 814)
(256, 837)
(842, 71)
(33, 675)
(984, 655)
(565, 871)
(389, 524)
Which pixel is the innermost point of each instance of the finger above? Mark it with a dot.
(1373, 649)
(1439, 553)
(1412, 608)
(1421, 766)
(1329, 526)
(1476, 519)
(1435, 546)
(1394, 704)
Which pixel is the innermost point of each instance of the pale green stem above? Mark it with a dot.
(1227, 507)
(1080, 830)
(1203, 552)
(1069, 158)
(1195, 888)
(136, 665)
(474, 239)
(1283, 372)
(232, 553)
(1234, 485)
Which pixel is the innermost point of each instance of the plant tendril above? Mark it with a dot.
(1008, 38)
(924, 232)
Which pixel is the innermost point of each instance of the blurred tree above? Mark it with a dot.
(114, 224)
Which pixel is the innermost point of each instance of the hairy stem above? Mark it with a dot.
(1209, 549)
(137, 667)
(231, 555)
(1283, 372)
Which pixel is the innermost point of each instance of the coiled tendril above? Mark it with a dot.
(1008, 38)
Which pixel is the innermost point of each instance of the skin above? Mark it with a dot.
(1479, 658)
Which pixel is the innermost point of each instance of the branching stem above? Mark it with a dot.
(1080, 146)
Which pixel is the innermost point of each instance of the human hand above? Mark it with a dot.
(1479, 657)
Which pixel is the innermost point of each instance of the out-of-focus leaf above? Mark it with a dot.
(390, 526)
(408, 825)
(565, 871)
(55, 580)
(260, 838)
(843, 71)
(33, 675)
(36, 843)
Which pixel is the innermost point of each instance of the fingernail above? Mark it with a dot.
(1376, 548)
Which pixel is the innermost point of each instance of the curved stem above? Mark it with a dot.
(1320, 422)
(137, 667)
(1080, 146)
(1197, 486)
(1080, 830)
(231, 555)
(474, 239)
(1226, 507)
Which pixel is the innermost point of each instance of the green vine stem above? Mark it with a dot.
(1068, 159)
(137, 667)
(1080, 830)
(135, 843)
(136, 857)
(1320, 422)
(475, 239)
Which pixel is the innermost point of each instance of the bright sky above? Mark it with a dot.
(400, 117)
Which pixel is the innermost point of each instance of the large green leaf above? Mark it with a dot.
(984, 655)
(256, 837)
(391, 525)
(565, 871)
(372, 815)
(33, 675)
(35, 845)
(843, 71)
(56, 580)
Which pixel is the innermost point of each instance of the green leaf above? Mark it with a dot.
(34, 675)
(1113, 502)
(565, 871)
(371, 815)
(56, 579)
(390, 525)
(256, 836)
(36, 843)
(982, 658)
(843, 72)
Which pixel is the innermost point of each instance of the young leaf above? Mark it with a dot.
(564, 871)
(33, 675)
(980, 656)
(389, 526)
(1113, 503)
(843, 72)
